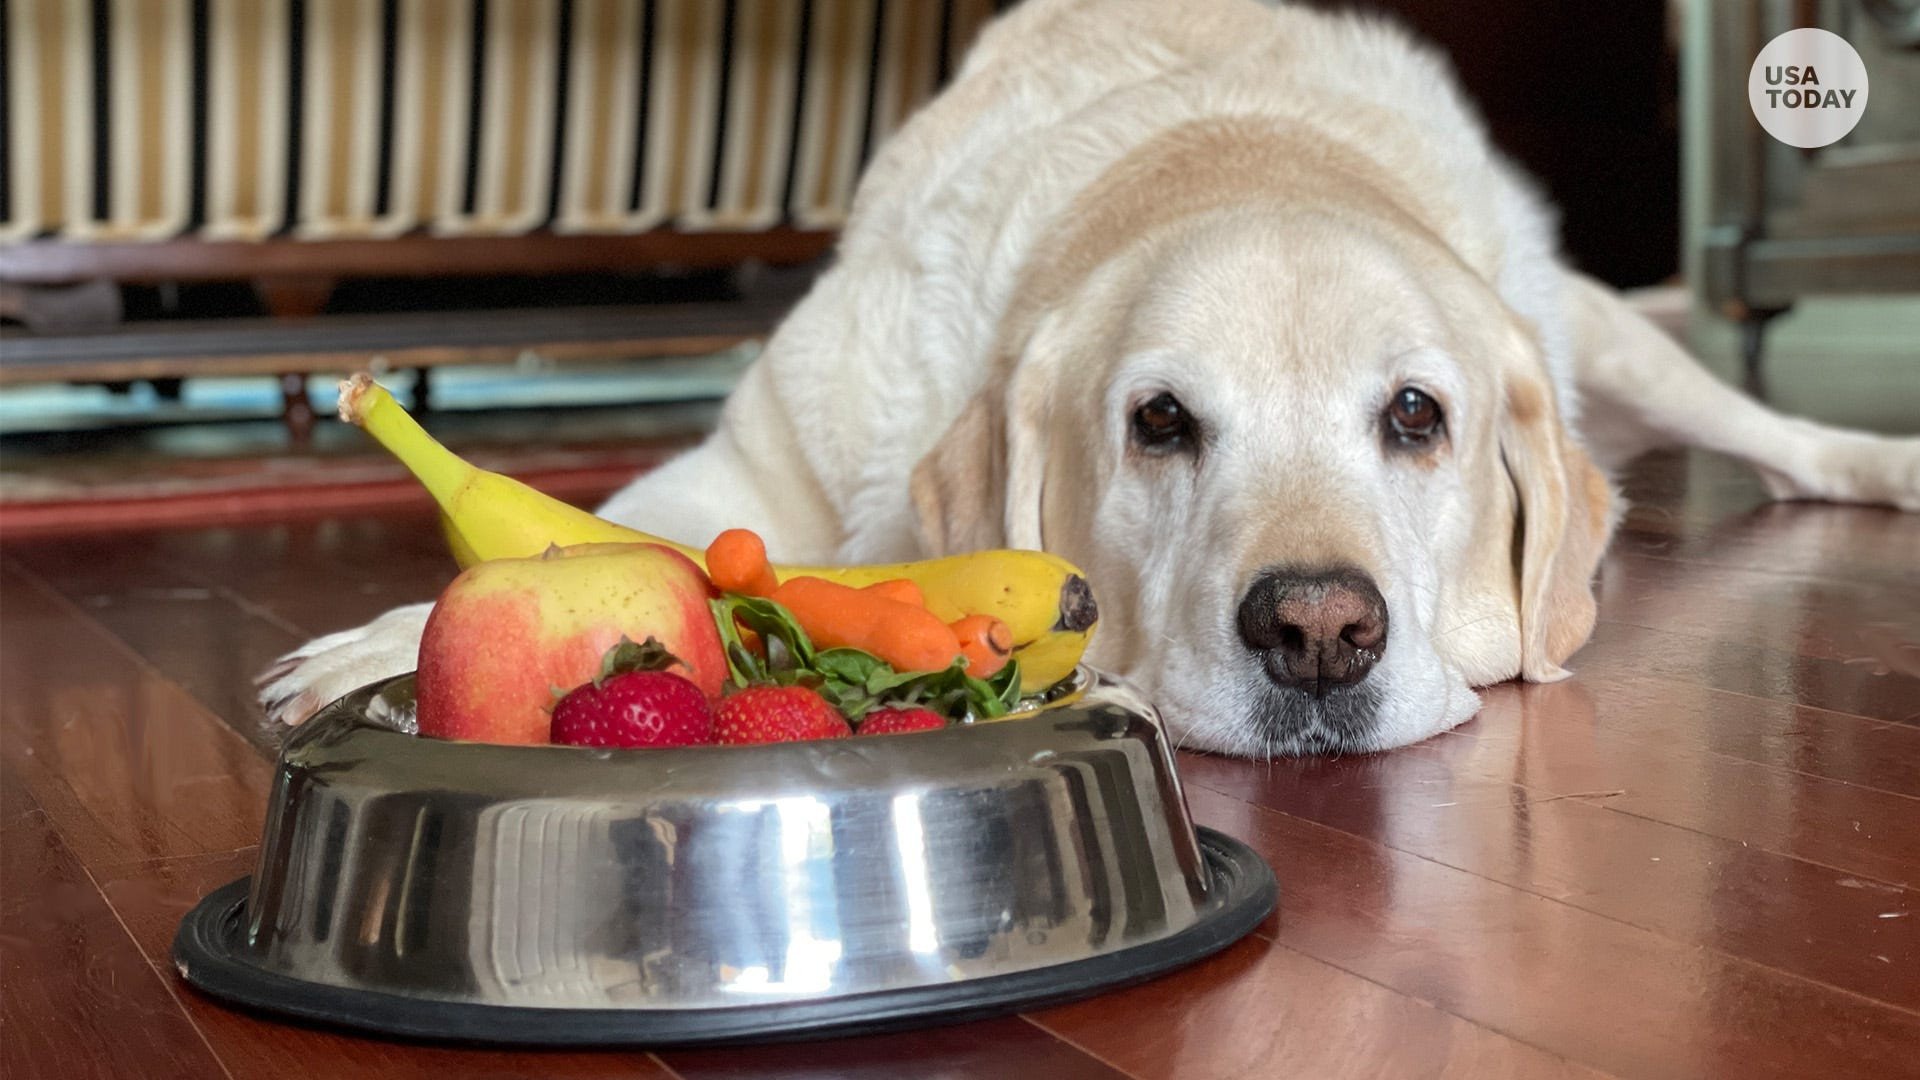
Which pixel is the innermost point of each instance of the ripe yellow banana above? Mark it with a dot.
(1043, 599)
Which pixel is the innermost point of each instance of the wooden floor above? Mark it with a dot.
(1693, 859)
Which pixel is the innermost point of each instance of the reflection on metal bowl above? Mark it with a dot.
(559, 894)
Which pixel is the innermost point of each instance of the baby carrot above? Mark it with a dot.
(986, 643)
(737, 563)
(839, 616)
(901, 589)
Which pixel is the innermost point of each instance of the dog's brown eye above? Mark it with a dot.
(1162, 424)
(1414, 418)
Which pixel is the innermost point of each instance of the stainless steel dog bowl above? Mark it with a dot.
(563, 896)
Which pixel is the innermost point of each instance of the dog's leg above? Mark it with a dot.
(301, 682)
(1641, 390)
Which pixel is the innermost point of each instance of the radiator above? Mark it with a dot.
(246, 119)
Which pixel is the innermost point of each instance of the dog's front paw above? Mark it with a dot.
(1856, 468)
(300, 683)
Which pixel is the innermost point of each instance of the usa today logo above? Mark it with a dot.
(1807, 88)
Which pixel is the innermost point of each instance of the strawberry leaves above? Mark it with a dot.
(855, 682)
(623, 657)
(628, 656)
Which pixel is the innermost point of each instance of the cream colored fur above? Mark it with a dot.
(1280, 216)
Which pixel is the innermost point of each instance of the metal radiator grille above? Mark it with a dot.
(243, 119)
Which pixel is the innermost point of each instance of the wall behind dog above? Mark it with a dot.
(1585, 96)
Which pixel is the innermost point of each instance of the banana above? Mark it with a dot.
(1043, 599)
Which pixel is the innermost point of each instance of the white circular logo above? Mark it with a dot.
(1807, 87)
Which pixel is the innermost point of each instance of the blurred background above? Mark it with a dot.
(560, 228)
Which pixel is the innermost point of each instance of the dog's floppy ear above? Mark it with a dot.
(959, 487)
(1564, 513)
(981, 486)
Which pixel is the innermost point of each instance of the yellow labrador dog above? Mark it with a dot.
(1236, 308)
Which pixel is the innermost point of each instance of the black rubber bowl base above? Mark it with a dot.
(207, 955)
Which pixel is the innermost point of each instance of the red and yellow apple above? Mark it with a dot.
(506, 633)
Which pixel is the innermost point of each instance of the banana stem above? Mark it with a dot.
(367, 405)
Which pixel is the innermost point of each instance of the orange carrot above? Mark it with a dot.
(985, 641)
(839, 616)
(737, 563)
(900, 589)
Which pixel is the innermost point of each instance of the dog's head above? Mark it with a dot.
(1312, 464)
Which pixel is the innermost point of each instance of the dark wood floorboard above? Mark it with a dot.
(126, 764)
(1864, 689)
(1628, 1001)
(1262, 1009)
(1008, 1046)
(1695, 889)
(78, 999)
(1811, 616)
(1850, 828)
(1676, 716)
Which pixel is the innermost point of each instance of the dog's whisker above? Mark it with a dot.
(1469, 624)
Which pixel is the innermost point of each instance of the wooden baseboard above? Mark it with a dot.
(414, 255)
(343, 343)
(28, 520)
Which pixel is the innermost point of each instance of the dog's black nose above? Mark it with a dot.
(1315, 629)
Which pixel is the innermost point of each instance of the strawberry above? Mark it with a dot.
(897, 720)
(634, 702)
(766, 714)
